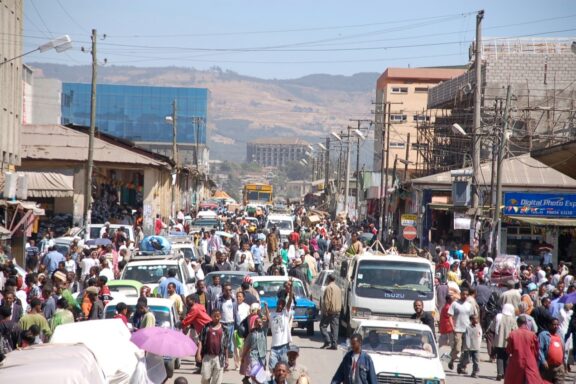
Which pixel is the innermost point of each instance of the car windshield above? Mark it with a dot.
(161, 313)
(398, 340)
(234, 279)
(187, 252)
(271, 288)
(394, 276)
(149, 274)
(280, 224)
(207, 223)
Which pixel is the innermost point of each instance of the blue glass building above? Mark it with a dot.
(138, 113)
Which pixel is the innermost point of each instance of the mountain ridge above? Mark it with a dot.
(243, 108)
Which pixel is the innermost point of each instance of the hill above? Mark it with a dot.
(243, 108)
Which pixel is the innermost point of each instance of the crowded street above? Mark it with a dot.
(287, 192)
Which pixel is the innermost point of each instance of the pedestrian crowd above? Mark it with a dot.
(523, 312)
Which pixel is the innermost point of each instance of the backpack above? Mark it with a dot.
(555, 355)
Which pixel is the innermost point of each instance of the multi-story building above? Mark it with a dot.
(402, 94)
(276, 151)
(11, 28)
(542, 76)
(41, 99)
(138, 114)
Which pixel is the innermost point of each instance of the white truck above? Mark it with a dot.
(378, 286)
(284, 224)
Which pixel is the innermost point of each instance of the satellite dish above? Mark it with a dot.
(467, 88)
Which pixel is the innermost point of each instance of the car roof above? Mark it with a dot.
(154, 262)
(151, 301)
(230, 273)
(404, 323)
(408, 259)
(273, 278)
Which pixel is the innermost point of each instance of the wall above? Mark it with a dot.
(11, 29)
(46, 101)
(157, 196)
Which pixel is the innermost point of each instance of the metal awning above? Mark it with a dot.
(548, 221)
(50, 183)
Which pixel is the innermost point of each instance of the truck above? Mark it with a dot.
(257, 193)
(379, 286)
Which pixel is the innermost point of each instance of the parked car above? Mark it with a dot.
(305, 311)
(402, 351)
(319, 285)
(166, 316)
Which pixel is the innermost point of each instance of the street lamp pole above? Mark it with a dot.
(174, 157)
(91, 133)
(347, 186)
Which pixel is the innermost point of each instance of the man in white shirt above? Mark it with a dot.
(87, 263)
(459, 315)
(281, 325)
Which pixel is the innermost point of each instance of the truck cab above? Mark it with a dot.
(376, 286)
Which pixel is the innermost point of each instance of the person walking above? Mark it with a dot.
(504, 324)
(522, 347)
(459, 313)
(254, 354)
(446, 325)
(281, 325)
(356, 366)
(472, 341)
(213, 350)
(551, 354)
(424, 317)
(330, 307)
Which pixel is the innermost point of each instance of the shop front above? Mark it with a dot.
(534, 222)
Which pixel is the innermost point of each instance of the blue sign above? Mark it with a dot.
(540, 204)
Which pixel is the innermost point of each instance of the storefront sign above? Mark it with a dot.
(540, 204)
(408, 219)
(462, 221)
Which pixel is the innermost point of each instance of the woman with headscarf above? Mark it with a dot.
(503, 324)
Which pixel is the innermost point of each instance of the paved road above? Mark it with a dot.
(322, 364)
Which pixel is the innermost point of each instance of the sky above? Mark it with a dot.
(285, 39)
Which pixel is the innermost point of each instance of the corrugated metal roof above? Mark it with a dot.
(519, 171)
(57, 142)
(561, 157)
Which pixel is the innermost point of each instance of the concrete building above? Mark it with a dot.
(41, 103)
(276, 151)
(542, 73)
(406, 89)
(138, 114)
(11, 28)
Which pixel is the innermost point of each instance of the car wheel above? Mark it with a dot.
(177, 364)
(169, 365)
(310, 328)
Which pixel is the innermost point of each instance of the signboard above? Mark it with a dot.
(408, 219)
(462, 221)
(409, 233)
(540, 204)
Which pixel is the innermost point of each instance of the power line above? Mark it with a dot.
(82, 28)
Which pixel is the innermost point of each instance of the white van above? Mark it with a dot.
(284, 224)
(381, 286)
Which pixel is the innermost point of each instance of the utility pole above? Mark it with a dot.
(407, 156)
(496, 221)
(90, 166)
(347, 185)
(174, 158)
(476, 134)
(327, 172)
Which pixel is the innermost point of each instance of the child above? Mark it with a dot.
(472, 341)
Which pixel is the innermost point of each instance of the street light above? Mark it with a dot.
(303, 162)
(322, 147)
(336, 136)
(458, 130)
(359, 134)
(60, 44)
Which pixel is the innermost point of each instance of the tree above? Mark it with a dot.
(296, 171)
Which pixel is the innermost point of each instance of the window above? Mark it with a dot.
(398, 118)
(400, 90)
(397, 145)
(421, 118)
(421, 90)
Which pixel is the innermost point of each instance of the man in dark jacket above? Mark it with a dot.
(424, 317)
(356, 366)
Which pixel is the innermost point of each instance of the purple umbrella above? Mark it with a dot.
(164, 342)
(568, 299)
